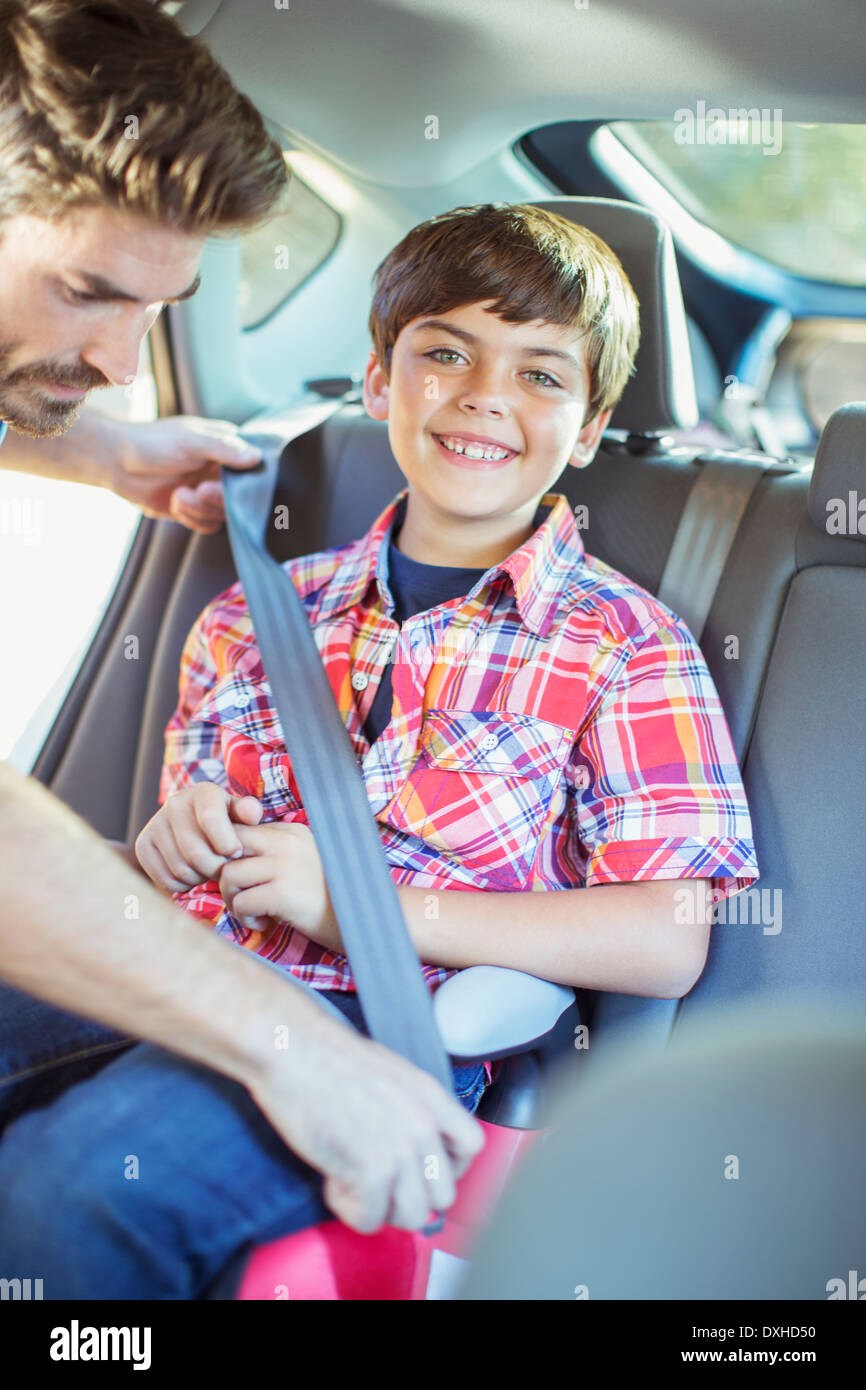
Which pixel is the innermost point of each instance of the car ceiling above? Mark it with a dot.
(356, 79)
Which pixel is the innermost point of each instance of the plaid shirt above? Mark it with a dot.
(557, 727)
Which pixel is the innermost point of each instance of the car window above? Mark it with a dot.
(62, 548)
(790, 193)
(278, 256)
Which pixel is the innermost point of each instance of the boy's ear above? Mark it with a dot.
(376, 391)
(588, 440)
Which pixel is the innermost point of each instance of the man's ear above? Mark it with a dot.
(588, 440)
(376, 390)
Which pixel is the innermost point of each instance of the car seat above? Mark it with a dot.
(788, 594)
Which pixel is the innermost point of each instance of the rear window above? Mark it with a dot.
(279, 255)
(793, 194)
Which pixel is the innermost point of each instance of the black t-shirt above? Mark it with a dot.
(415, 588)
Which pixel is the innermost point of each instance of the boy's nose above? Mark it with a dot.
(485, 396)
(480, 406)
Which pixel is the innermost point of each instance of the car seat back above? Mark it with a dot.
(787, 596)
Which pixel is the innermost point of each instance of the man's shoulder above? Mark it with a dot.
(626, 611)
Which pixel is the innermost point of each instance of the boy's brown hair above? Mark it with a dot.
(532, 264)
(110, 102)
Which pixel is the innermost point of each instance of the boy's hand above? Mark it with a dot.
(193, 835)
(281, 876)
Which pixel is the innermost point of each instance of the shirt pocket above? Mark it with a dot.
(481, 790)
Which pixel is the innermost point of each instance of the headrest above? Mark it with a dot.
(838, 488)
(661, 393)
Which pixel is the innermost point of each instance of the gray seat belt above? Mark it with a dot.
(705, 534)
(393, 995)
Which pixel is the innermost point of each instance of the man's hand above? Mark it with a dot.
(170, 468)
(281, 876)
(193, 835)
(389, 1140)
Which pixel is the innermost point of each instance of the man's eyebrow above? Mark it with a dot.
(527, 349)
(100, 288)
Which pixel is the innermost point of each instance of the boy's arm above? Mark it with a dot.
(647, 938)
(664, 831)
(639, 938)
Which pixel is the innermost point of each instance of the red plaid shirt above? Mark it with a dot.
(556, 727)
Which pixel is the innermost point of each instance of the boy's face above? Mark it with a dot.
(466, 380)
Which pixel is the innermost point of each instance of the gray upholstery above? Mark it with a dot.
(661, 393)
(634, 1193)
(805, 776)
(840, 469)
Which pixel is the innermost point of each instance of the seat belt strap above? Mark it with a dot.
(705, 534)
(701, 545)
(393, 995)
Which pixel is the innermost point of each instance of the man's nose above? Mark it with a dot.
(115, 351)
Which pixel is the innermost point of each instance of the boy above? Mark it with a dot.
(540, 739)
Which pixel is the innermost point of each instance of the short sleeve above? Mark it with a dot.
(657, 787)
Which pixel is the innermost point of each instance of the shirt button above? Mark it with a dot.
(489, 741)
(242, 700)
(359, 680)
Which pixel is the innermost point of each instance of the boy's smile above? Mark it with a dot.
(475, 450)
(483, 416)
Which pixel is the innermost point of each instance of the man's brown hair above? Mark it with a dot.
(111, 102)
(532, 264)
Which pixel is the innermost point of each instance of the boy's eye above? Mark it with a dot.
(548, 380)
(441, 353)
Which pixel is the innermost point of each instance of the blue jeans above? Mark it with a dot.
(129, 1172)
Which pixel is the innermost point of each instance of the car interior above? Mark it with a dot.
(712, 488)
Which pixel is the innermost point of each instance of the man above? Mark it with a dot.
(103, 220)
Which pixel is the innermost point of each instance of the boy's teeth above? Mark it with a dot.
(474, 451)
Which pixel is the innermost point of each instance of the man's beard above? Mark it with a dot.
(31, 411)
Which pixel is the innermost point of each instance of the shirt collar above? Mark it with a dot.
(539, 569)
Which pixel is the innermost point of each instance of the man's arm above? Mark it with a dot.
(82, 931)
(169, 468)
(634, 938)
